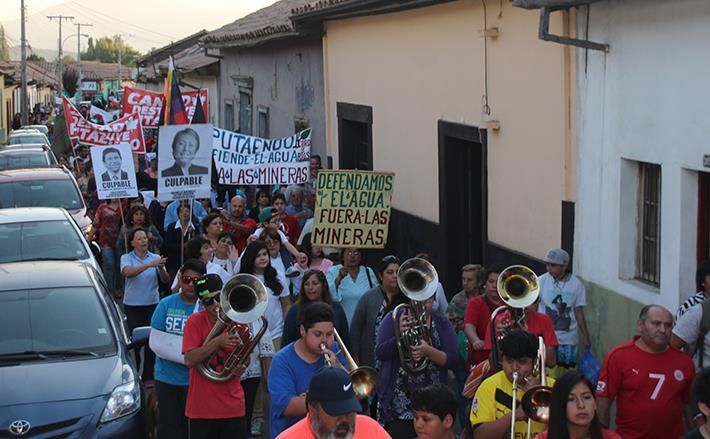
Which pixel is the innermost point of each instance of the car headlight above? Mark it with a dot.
(124, 399)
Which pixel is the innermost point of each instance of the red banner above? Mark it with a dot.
(125, 130)
(147, 104)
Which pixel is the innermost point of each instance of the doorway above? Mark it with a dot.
(463, 200)
(355, 136)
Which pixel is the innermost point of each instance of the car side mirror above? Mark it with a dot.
(139, 337)
(96, 251)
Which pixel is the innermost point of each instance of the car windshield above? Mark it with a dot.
(40, 193)
(40, 240)
(54, 320)
(23, 159)
(27, 138)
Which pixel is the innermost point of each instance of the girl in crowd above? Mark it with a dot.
(212, 226)
(396, 384)
(281, 259)
(573, 409)
(142, 269)
(107, 222)
(315, 289)
(350, 280)
(255, 260)
(200, 248)
(226, 253)
(316, 261)
(263, 200)
(289, 223)
(138, 216)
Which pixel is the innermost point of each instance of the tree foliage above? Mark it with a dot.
(105, 49)
(35, 57)
(4, 47)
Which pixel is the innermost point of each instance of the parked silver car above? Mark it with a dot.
(40, 234)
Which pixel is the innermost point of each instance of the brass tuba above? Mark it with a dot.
(364, 378)
(418, 280)
(518, 287)
(243, 300)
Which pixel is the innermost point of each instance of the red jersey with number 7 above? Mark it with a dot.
(650, 390)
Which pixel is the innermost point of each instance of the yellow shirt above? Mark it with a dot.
(494, 399)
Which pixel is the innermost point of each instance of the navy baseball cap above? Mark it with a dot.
(332, 389)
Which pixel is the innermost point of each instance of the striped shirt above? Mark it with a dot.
(690, 302)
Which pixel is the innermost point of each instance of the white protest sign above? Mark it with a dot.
(114, 171)
(184, 161)
(248, 160)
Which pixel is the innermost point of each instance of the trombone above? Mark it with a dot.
(536, 400)
(364, 378)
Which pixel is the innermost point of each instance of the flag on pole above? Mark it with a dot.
(199, 116)
(173, 107)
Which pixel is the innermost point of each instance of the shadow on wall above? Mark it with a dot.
(611, 318)
(305, 96)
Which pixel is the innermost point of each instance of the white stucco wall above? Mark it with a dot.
(646, 100)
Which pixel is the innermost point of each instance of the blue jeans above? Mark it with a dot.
(110, 266)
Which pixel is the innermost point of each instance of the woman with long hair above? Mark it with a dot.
(261, 202)
(573, 411)
(314, 288)
(256, 261)
(138, 216)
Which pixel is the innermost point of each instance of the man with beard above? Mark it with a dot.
(649, 379)
(332, 411)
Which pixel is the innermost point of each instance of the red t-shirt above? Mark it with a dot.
(108, 220)
(539, 324)
(207, 399)
(291, 229)
(241, 243)
(478, 314)
(649, 389)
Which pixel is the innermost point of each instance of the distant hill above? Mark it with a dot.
(48, 54)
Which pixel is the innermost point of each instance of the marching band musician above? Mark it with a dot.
(492, 405)
(214, 410)
(294, 365)
(396, 384)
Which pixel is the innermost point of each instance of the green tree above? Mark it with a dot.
(105, 49)
(68, 59)
(4, 47)
(35, 57)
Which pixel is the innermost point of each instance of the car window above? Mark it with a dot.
(54, 319)
(40, 193)
(23, 159)
(31, 241)
(27, 138)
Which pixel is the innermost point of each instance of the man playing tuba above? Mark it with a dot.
(214, 409)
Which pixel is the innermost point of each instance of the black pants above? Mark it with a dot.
(400, 429)
(250, 386)
(172, 422)
(140, 316)
(230, 428)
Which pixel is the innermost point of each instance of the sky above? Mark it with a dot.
(145, 24)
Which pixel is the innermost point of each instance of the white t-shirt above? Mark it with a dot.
(265, 348)
(274, 313)
(260, 231)
(559, 299)
(688, 329)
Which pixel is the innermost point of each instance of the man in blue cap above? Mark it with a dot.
(332, 410)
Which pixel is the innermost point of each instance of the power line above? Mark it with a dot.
(123, 22)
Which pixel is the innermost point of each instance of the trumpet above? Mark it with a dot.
(243, 300)
(364, 378)
(418, 280)
(536, 400)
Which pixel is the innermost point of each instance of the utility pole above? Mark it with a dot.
(60, 65)
(120, 67)
(78, 54)
(23, 65)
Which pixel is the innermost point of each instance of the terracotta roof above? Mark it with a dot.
(186, 60)
(269, 23)
(170, 49)
(318, 5)
(97, 71)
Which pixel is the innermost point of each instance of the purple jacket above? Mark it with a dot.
(386, 351)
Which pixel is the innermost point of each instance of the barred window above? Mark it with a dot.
(648, 261)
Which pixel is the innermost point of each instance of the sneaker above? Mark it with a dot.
(257, 425)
